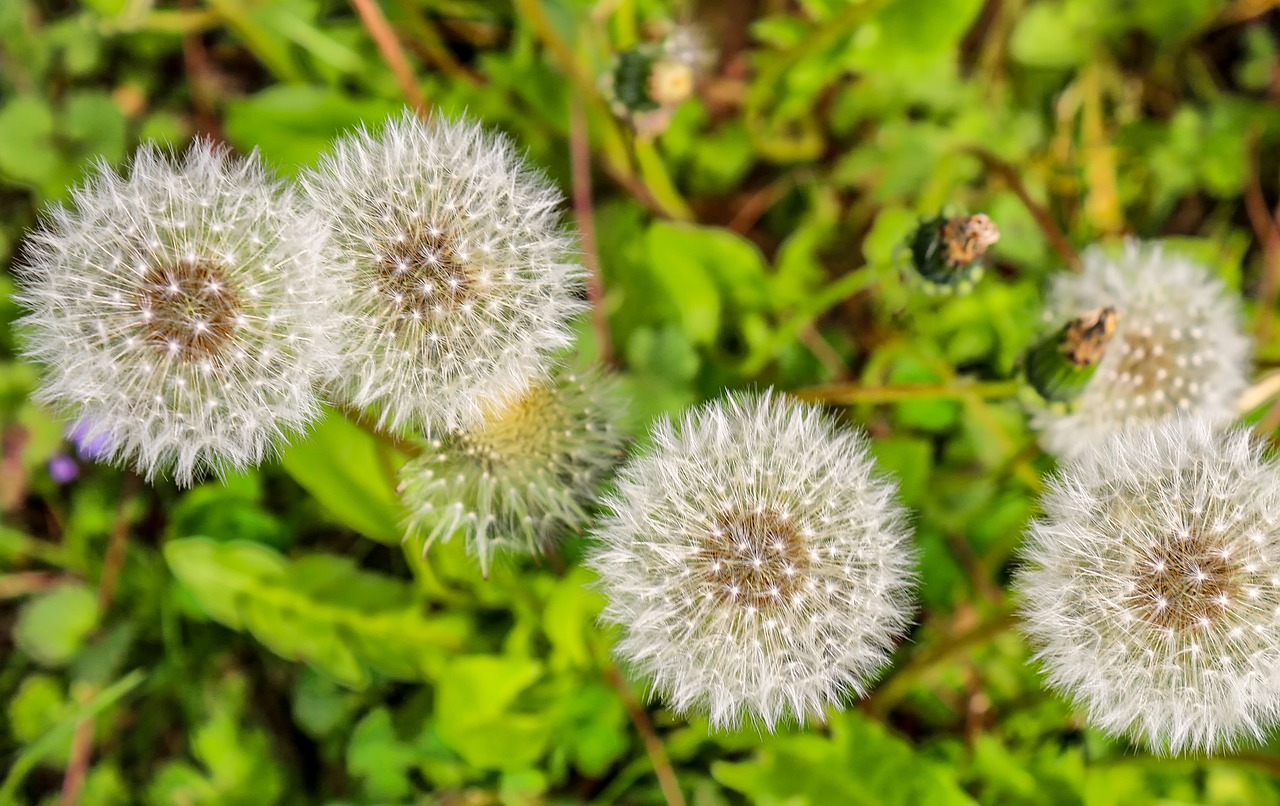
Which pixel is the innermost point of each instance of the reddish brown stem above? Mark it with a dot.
(375, 22)
(1057, 238)
(652, 743)
(580, 159)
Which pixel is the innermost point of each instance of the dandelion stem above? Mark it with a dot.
(114, 560)
(883, 699)
(666, 204)
(1057, 239)
(848, 394)
(580, 159)
(375, 22)
(649, 735)
(82, 738)
(1266, 227)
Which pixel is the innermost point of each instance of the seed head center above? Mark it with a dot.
(754, 559)
(1183, 584)
(187, 310)
(424, 277)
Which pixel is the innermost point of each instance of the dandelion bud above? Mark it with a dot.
(524, 474)
(1177, 347)
(647, 82)
(465, 281)
(757, 565)
(947, 252)
(182, 312)
(1152, 584)
(1060, 367)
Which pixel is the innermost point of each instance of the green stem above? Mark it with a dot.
(848, 394)
(883, 699)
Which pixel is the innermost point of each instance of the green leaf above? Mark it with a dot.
(904, 36)
(291, 124)
(1053, 35)
(679, 259)
(345, 622)
(52, 626)
(378, 756)
(351, 474)
(474, 717)
(27, 152)
(860, 763)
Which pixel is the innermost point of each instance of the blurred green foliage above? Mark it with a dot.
(270, 640)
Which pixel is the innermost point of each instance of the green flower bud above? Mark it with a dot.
(1060, 367)
(947, 252)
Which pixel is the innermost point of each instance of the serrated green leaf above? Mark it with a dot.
(249, 587)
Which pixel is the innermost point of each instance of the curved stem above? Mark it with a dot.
(847, 394)
(649, 735)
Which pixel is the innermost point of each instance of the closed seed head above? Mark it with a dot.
(525, 474)
(1177, 349)
(181, 311)
(1151, 586)
(757, 566)
(465, 280)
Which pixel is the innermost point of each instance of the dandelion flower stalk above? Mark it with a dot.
(1151, 585)
(465, 279)
(758, 567)
(524, 475)
(182, 311)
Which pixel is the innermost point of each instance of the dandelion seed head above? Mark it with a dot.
(1151, 590)
(182, 311)
(523, 476)
(1178, 347)
(757, 566)
(465, 279)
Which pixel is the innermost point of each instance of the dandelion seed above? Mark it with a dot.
(1177, 347)
(757, 566)
(523, 476)
(466, 281)
(182, 312)
(1150, 587)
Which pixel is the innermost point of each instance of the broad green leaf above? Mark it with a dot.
(474, 717)
(377, 755)
(53, 625)
(351, 474)
(27, 151)
(292, 124)
(860, 763)
(379, 628)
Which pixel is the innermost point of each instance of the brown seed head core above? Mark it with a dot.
(1184, 583)
(423, 277)
(187, 310)
(753, 558)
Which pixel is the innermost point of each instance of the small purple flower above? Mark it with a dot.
(92, 446)
(63, 469)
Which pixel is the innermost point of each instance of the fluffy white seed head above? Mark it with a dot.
(465, 280)
(1152, 585)
(1178, 347)
(524, 475)
(758, 567)
(182, 311)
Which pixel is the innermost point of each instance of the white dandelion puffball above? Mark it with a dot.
(1152, 585)
(182, 311)
(524, 475)
(1178, 347)
(466, 281)
(758, 567)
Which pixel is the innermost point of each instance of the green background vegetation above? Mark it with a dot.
(269, 640)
